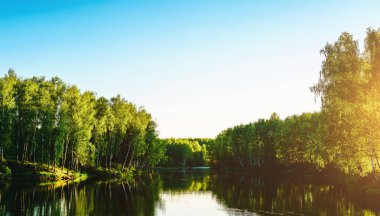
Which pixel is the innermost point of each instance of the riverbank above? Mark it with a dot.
(39, 172)
(43, 173)
(368, 185)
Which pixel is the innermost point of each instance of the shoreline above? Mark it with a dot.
(39, 174)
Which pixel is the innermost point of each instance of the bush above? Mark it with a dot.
(5, 172)
(117, 172)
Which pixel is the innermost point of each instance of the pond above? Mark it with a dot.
(186, 193)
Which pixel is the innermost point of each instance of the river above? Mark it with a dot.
(185, 193)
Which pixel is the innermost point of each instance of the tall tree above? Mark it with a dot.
(7, 110)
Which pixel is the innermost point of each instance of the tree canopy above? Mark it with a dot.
(52, 122)
(344, 134)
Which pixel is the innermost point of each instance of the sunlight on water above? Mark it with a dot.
(194, 203)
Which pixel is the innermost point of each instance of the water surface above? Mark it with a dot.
(184, 193)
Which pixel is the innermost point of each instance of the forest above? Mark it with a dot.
(51, 122)
(344, 135)
(186, 152)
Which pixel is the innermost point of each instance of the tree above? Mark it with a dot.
(300, 140)
(7, 107)
(349, 91)
(51, 122)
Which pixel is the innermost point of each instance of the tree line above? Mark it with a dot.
(344, 134)
(270, 141)
(183, 152)
(52, 122)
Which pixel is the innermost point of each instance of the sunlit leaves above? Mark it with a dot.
(52, 122)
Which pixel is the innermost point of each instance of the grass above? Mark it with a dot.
(47, 175)
(39, 171)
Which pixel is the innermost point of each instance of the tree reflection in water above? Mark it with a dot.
(278, 195)
(250, 193)
(85, 198)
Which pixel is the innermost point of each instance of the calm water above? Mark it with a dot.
(179, 193)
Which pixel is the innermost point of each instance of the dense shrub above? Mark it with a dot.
(5, 172)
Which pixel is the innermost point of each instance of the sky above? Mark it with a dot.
(199, 66)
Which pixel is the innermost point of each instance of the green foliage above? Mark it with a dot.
(185, 152)
(248, 146)
(50, 122)
(115, 172)
(5, 172)
(349, 91)
(7, 106)
(343, 135)
(300, 140)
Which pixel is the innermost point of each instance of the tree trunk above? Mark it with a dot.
(18, 135)
(49, 154)
(106, 161)
(240, 161)
(111, 161)
(97, 157)
(375, 155)
(108, 154)
(72, 157)
(130, 161)
(372, 164)
(125, 161)
(126, 157)
(64, 153)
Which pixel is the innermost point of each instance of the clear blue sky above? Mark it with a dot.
(199, 66)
